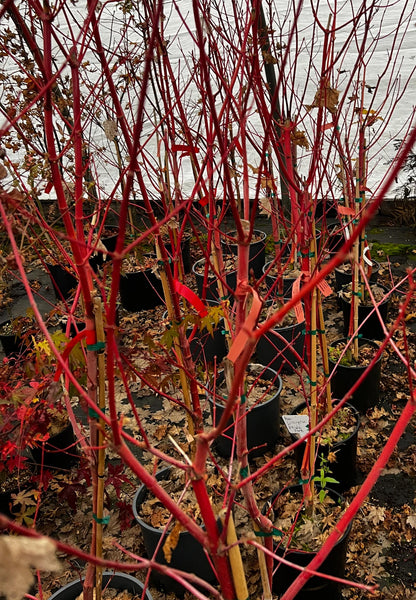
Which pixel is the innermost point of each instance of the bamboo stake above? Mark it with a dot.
(313, 385)
(321, 325)
(355, 298)
(267, 593)
(178, 349)
(99, 327)
(234, 556)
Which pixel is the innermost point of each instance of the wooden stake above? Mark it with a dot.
(236, 562)
(100, 336)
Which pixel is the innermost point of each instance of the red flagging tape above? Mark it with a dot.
(192, 298)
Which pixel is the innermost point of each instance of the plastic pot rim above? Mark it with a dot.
(106, 575)
(278, 381)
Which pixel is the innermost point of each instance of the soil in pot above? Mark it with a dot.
(279, 347)
(257, 250)
(336, 447)
(262, 404)
(115, 585)
(349, 371)
(303, 531)
(152, 517)
(208, 288)
(372, 328)
(140, 286)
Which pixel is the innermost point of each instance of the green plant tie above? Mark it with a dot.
(326, 374)
(103, 521)
(303, 481)
(223, 332)
(342, 199)
(303, 331)
(309, 213)
(357, 294)
(337, 127)
(306, 254)
(312, 383)
(355, 221)
(322, 331)
(359, 199)
(243, 399)
(96, 347)
(224, 298)
(93, 414)
(312, 332)
(244, 472)
(274, 532)
(358, 336)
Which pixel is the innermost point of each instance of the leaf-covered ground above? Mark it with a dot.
(383, 539)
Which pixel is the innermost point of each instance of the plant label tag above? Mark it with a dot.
(296, 424)
(324, 288)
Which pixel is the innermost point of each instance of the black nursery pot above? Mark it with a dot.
(368, 393)
(116, 581)
(278, 347)
(59, 451)
(344, 469)
(271, 282)
(13, 345)
(187, 556)
(140, 290)
(345, 277)
(316, 588)
(263, 420)
(185, 251)
(257, 250)
(63, 281)
(372, 328)
(209, 289)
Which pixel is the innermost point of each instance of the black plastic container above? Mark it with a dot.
(278, 347)
(185, 251)
(208, 289)
(64, 282)
(140, 290)
(344, 377)
(316, 588)
(257, 250)
(271, 282)
(345, 277)
(188, 555)
(59, 451)
(372, 328)
(263, 420)
(13, 344)
(116, 581)
(344, 469)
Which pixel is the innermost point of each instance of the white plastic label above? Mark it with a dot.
(296, 424)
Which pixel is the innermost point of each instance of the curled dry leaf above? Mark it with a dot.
(18, 555)
(172, 541)
(110, 129)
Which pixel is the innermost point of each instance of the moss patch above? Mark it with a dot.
(384, 250)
